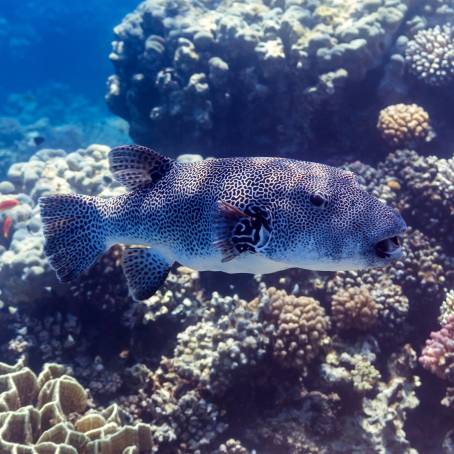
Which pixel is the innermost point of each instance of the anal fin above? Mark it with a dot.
(145, 270)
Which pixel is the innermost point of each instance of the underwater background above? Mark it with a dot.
(296, 362)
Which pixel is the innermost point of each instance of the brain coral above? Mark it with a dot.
(404, 125)
(299, 327)
(219, 74)
(430, 55)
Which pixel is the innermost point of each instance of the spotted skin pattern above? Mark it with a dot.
(145, 270)
(316, 217)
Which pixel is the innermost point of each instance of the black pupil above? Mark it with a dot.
(317, 200)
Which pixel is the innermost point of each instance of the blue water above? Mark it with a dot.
(54, 69)
(213, 363)
(43, 42)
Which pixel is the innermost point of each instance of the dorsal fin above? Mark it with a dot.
(135, 166)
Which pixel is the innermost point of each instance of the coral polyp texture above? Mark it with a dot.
(446, 308)
(430, 55)
(403, 125)
(438, 353)
(299, 326)
(217, 74)
(354, 308)
(291, 362)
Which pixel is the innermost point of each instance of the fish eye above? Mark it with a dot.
(318, 200)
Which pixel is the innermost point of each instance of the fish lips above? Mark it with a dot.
(389, 248)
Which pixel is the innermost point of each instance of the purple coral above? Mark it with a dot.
(438, 353)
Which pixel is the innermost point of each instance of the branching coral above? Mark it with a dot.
(352, 366)
(446, 308)
(438, 353)
(430, 55)
(210, 353)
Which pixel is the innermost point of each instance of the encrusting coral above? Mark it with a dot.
(403, 125)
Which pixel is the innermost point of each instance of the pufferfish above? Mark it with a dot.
(236, 215)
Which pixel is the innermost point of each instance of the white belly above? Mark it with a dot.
(244, 263)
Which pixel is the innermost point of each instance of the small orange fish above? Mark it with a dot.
(7, 227)
(7, 204)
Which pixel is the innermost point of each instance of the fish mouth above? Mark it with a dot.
(389, 248)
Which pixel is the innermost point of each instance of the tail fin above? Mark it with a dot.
(74, 232)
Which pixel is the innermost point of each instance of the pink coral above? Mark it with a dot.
(438, 353)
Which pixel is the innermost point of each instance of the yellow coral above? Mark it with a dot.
(404, 124)
(300, 327)
(354, 308)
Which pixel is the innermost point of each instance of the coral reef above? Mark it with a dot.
(24, 269)
(223, 73)
(209, 353)
(294, 362)
(49, 413)
(430, 55)
(404, 125)
(299, 327)
(311, 346)
(427, 180)
(438, 353)
(354, 308)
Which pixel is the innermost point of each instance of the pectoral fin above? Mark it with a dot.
(145, 270)
(241, 231)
